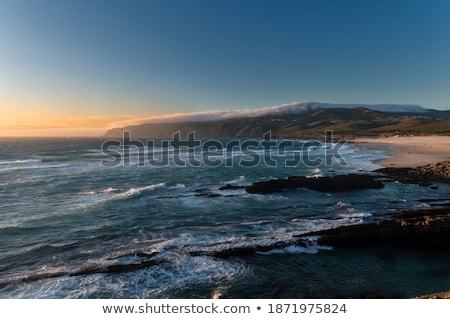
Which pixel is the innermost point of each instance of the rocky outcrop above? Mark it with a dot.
(336, 183)
(423, 175)
(428, 229)
(115, 269)
(230, 187)
(147, 261)
(241, 251)
(438, 295)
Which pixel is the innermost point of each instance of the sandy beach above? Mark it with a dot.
(410, 151)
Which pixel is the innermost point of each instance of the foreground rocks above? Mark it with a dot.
(423, 229)
(438, 295)
(119, 268)
(338, 183)
(250, 249)
(423, 175)
(148, 261)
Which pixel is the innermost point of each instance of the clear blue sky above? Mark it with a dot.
(92, 57)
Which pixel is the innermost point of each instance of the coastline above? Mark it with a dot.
(412, 153)
(409, 151)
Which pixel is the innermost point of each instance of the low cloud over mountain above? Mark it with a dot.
(284, 109)
(296, 120)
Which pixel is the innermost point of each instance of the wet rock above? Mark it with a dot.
(139, 254)
(242, 251)
(423, 175)
(36, 277)
(234, 252)
(337, 183)
(230, 187)
(114, 269)
(438, 295)
(226, 253)
(423, 229)
(145, 255)
(209, 194)
(301, 243)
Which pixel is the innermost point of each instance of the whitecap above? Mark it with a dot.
(136, 191)
(237, 180)
(294, 249)
(21, 161)
(87, 193)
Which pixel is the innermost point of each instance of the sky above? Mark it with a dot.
(80, 67)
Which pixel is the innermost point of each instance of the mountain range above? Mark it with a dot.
(297, 120)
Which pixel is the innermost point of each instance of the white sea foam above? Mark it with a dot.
(37, 165)
(256, 222)
(341, 204)
(306, 225)
(163, 281)
(315, 172)
(136, 191)
(293, 249)
(21, 162)
(237, 180)
(87, 193)
(353, 213)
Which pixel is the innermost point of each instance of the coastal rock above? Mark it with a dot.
(114, 269)
(230, 187)
(438, 295)
(337, 183)
(208, 194)
(118, 268)
(423, 175)
(226, 253)
(427, 229)
(246, 250)
(234, 252)
(140, 254)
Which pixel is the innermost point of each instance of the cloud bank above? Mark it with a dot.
(290, 108)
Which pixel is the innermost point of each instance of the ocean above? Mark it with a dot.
(68, 206)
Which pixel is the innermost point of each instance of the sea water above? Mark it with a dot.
(62, 210)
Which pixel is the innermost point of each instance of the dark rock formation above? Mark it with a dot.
(337, 183)
(423, 175)
(118, 268)
(438, 295)
(428, 229)
(233, 252)
(248, 250)
(139, 254)
(36, 277)
(114, 269)
(205, 192)
(208, 194)
(230, 187)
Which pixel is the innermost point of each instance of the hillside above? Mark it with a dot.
(348, 123)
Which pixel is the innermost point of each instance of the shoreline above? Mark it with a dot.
(409, 151)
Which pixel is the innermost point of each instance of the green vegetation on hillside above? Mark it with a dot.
(345, 123)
